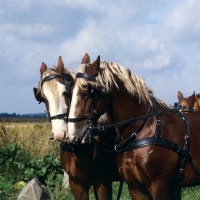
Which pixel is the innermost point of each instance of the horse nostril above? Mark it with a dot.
(65, 136)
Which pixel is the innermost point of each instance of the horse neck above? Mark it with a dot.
(126, 106)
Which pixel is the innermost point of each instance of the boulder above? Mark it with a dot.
(65, 182)
(35, 190)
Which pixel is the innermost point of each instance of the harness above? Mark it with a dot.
(131, 143)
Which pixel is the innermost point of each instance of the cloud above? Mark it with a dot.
(157, 40)
(183, 23)
(89, 5)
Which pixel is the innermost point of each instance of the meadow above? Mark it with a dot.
(27, 152)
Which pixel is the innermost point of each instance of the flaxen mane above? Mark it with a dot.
(133, 83)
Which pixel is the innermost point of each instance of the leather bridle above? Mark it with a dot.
(93, 92)
(183, 108)
(67, 93)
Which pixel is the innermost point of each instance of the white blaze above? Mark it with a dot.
(71, 127)
(57, 106)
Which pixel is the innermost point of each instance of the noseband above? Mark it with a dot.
(67, 93)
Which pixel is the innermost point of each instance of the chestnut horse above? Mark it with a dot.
(191, 103)
(158, 147)
(80, 162)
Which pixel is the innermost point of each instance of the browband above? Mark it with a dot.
(82, 75)
(50, 77)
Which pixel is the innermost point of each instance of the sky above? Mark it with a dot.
(157, 40)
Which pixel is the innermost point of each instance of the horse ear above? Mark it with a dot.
(93, 69)
(43, 68)
(85, 59)
(180, 96)
(60, 67)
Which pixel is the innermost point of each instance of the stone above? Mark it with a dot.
(35, 190)
(65, 181)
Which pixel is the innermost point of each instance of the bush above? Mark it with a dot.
(16, 170)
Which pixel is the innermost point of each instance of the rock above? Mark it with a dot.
(35, 190)
(65, 182)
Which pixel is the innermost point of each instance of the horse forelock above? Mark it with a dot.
(52, 85)
(133, 83)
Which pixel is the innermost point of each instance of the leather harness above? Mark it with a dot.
(131, 143)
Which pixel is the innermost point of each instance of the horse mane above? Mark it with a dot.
(102, 119)
(50, 85)
(133, 83)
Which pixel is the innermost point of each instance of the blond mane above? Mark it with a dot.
(133, 83)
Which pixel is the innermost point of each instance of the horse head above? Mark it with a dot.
(54, 89)
(88, 96)
(189, 103)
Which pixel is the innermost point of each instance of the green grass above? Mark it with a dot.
(33, 140)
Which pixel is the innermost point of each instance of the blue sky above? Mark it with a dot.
(158, 40)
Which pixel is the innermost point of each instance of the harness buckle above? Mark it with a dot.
(158, 123)
(101, 128)
(181, 107)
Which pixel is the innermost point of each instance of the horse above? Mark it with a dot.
(86, 165)
(157, 147)
(191, 103)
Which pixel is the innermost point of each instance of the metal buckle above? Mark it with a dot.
(180, 106)
(179, 148)
(101, 128)
(158, 122)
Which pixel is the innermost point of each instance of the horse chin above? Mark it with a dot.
(64, 138)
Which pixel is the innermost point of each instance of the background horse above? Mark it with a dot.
(79, 161)
(154, 140)
(192, 102)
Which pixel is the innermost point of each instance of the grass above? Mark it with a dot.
(33, 140)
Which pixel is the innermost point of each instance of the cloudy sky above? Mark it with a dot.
(158, 40)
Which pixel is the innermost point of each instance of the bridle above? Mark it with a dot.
(183, 108)
(67, 93)
(93, 92)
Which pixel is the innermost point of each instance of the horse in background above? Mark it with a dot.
(158, 147)
(187, 104)
(85, 165)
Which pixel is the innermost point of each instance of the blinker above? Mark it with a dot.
(38, 96)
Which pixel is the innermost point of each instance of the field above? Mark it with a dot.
(25, 152)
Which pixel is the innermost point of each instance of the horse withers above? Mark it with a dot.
(158, 147)
(85, 165)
